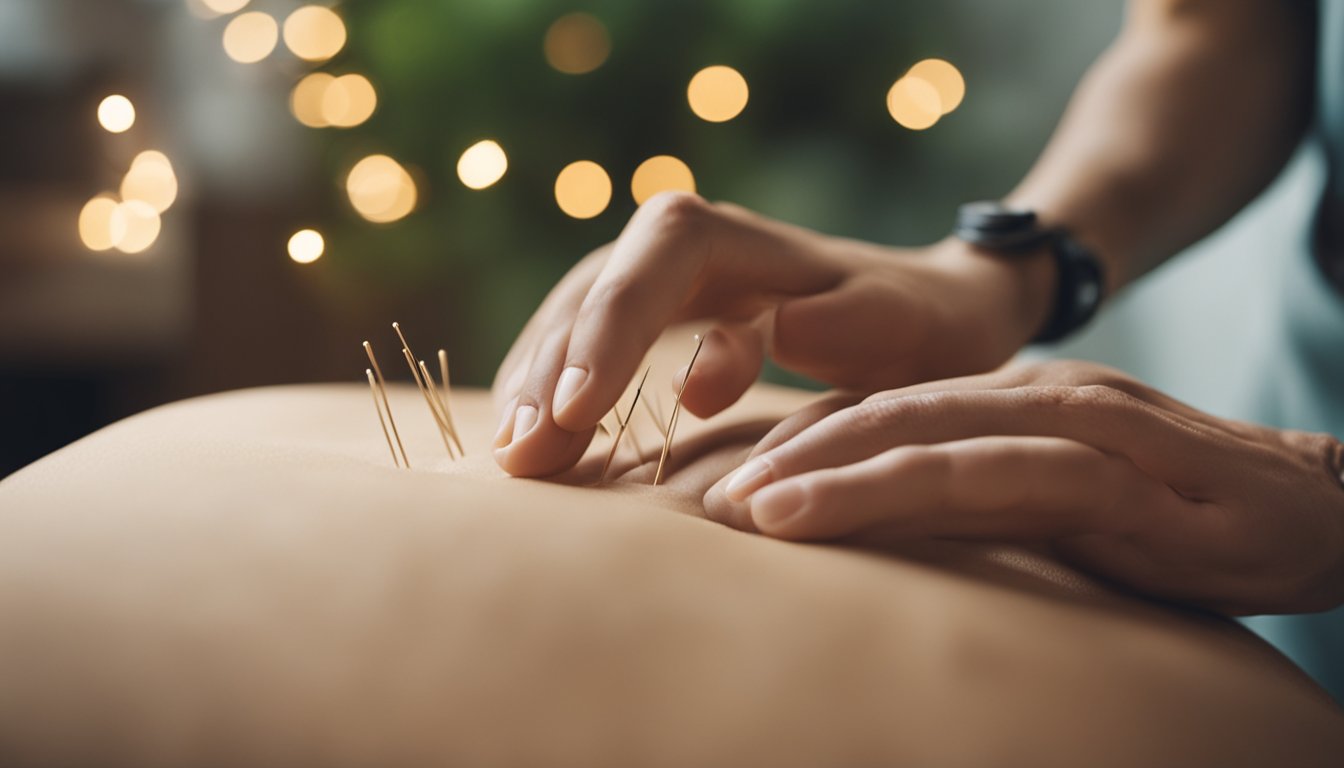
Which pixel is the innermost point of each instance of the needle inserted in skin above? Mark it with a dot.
(676, 411)
(433, 392)
(657, 420)
(442, 418)
(446, 401)
(634, 436)
(382, 391)
(433, 410)
(617, 442)
(373, 390)
(415, 374)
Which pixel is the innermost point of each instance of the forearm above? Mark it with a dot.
(1183, 121)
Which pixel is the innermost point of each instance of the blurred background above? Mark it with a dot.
(198, 195)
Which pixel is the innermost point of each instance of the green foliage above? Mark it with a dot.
(815, 144)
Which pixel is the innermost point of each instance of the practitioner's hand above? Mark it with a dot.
(848, 313)
(1120, 479)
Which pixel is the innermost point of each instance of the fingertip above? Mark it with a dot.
(592, 395)
(728, 365)
(777, 509)
(541, 449)
(503, 434)
(567, 389)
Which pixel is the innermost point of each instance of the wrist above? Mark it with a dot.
(1015, 293)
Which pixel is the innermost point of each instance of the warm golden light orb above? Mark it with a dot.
(483, 164)
(223, 7)
(306, 246)
(349, 100)
(151, 180)
(314, 33)
(717, 93)
(380, 189)
(305, 101)
(583, 189)
(116, 114)
(576, 43)
(138, 224)
(95, 224)
(660, 174)
(944, 78)
(914, 103)
(250, 37)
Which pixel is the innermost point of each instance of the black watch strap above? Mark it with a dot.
(1080, 279)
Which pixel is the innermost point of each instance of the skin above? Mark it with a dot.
(246, 580)
(1185, 119)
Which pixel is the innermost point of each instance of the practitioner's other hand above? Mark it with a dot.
(1119, 479)
(848, 313)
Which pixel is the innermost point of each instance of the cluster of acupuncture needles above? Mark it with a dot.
(438, 403)
(436, 400)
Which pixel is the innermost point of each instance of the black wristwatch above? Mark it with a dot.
(1080, 279)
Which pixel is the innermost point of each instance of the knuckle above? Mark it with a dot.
(1035, 371)
(1082, 373)
(1077, 373)
(925, 461)
(618, 297)
(1320, 447)
(877, 415)
(675, 210)
(1090, 398)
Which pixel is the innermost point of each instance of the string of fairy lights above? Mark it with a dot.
(378, 187)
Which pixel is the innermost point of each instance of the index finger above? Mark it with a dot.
(679, 258)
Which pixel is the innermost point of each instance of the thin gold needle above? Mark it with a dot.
(382, 390)
(634, 436)
(433, 411)
(373, 390)
(657, 420)
(617, 442)
(411, 355)
(676, 411)
(432, 391)
(447, 400)
(427, 388)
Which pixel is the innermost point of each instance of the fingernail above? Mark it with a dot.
(679, 378)
(571, 380)
(777, 504)
(502, 434)
(523, 421)
(748, 479)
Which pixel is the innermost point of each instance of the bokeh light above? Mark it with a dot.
(95, 224)
(250, 37)
(138, 225)
(717, 93)
(306, 246)
(314, 33)
(483, 164)
(305, 101)
(660, 174)
(914, 103)
(944, 78)
(151, 180)
(380, 189)
(583, 189)
(116, 114)
(347, 101)
(576, 43)
(223, 7)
